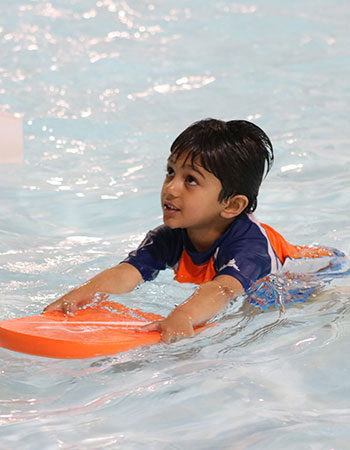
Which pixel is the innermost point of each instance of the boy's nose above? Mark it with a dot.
(172, 187)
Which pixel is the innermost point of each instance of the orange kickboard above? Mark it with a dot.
(106, 329)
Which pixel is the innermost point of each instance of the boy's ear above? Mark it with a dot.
(234, 206)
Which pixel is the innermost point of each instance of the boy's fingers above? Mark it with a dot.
(68, 307)
(153, 326)
(169, 338)
(52, 307)
(61, 305)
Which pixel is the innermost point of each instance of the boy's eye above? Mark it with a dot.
(191, 180)
(170, 171)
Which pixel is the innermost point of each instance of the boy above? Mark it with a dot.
(209, 236)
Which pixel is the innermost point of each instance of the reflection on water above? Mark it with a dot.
(263, 369)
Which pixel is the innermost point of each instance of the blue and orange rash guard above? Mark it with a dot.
(248, 251)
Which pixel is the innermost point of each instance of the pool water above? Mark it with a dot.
(104, 87)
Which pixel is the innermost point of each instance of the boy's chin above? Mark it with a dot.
(170, 224)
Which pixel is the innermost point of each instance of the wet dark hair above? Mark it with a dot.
(237, 152)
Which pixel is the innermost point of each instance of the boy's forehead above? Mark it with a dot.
(190, 161)
(186, 159)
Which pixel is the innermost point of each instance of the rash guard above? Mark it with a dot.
(248, 251)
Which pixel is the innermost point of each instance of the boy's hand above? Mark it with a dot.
(176, 326)
(205, 303)
(116, 280)
(67, 304)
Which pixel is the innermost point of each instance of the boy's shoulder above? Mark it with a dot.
(246, 226)
(246, 236)
(165, 240)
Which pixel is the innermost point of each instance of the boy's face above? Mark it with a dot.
(190, 196)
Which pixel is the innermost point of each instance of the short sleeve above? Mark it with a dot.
(248, 261)
(160, 249)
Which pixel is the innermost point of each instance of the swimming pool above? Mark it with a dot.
(104, 87)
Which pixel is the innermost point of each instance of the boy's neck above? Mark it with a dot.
(203, 239)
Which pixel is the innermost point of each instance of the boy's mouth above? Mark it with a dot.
(170, 207)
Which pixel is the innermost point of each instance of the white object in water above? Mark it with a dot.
(11, 138)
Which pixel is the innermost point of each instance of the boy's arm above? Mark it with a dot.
(205, 303)
(116, 280)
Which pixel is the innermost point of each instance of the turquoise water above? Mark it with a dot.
(103, 88)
